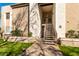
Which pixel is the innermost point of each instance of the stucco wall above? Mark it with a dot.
(20, 19)
(5, 23)
(35, 22)
(67, 17)
(72, 16)
(74, 42)
(60, 20)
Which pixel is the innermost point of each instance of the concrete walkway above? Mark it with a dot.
(40, 49)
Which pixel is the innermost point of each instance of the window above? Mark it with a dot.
(7, 15)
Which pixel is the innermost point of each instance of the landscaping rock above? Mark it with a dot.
(40, 49)
(22, 39)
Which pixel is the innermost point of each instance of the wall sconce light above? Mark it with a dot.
(60, 26)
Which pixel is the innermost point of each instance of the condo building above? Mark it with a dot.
(41, 19)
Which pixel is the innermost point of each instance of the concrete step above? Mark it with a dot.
(50, 36)
(50, 43)
(49, 39)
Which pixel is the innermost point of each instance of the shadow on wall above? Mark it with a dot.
(19, 23)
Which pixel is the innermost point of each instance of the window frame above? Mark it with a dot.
(8, 15)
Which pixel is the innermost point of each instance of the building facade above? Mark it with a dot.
(15, 16)
(42, 19)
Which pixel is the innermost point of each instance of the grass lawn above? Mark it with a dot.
(69, 51)
(12, 48)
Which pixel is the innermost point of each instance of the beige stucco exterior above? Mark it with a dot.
(18, 18)
(72, 16)
(6, 22)
(35, 19)
(65, 16)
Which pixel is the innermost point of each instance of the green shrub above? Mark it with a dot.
(17, 32)
(73, 54)
(77, 35)
(0, 28)
(30, 34)
(70, 34)
(69, 51)
(13, 48)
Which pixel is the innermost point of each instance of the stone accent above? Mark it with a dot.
(40, 49)
(35, 22)
(22, 39)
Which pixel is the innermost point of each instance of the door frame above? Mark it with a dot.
(53, 16)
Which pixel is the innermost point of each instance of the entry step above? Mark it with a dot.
(49, 42)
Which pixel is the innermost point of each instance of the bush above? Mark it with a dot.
(70, 34)
(30, 34)
(17, 32)
(77, 35)
(0, 28)
(69, 51)
(13, 48)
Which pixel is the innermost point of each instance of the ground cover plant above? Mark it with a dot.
(69, 51)
(12, 48)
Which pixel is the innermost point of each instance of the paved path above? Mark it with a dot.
(40, 49)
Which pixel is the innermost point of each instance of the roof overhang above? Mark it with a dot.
(19, 5)
(45, 4)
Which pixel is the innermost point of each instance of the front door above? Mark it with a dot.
(46, 25)
(46, 11)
